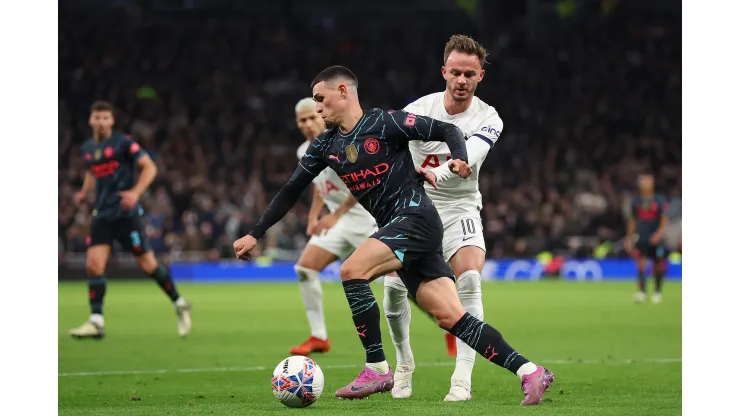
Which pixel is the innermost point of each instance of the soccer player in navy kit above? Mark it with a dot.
(369, 151)
(648, 220)
(110, 159)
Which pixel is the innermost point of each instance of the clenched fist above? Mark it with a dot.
(460, 168)
(243, 246)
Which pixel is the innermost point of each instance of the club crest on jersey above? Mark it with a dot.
(108, 152)
(97, 154)
(372, 146)
(351, 152)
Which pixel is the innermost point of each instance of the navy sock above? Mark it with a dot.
(641, 281)
(162, 276)
(659, 272)
(366, 315)
(96, 293)
(488, 342)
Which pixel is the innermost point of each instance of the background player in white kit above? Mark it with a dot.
(334, 237)
(458, 202)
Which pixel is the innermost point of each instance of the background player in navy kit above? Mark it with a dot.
(110, 158)
(647, 219)
(369, 151)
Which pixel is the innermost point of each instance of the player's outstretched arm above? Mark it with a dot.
(427, 129)
(424, 128)
(285, 199)
(311, 164)
(478, 145)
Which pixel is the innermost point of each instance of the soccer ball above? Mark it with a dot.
(297, 381)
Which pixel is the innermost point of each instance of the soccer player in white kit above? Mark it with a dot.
(334, 236)
(458, 202)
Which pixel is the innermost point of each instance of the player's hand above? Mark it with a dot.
(429, 176)
(326, 222)
(80, 197)
(129, 199)
(243, 246)
(655, 238)
(628, 246)
(311, 227)
(460, 168)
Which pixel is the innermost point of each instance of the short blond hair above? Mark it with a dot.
(465, 44)
(305, 103)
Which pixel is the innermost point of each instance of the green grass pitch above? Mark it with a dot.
(610, 356)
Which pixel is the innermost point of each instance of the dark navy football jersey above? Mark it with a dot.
(647, 213)
(373, 160)
(112, 163)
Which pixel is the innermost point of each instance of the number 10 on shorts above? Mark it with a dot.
(468, 227)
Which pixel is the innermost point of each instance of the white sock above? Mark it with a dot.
(469, 291)
(381, 368)
(398, 314)
(525, 369)
(97, 319)
(313, 300)
(180, 302)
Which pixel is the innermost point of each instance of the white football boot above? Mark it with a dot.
(459, 391)
(640, 297)
(402, 381)
(184, 323)
(88, 330)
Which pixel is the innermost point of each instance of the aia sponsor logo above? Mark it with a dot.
(326, 188)
(372, 146)
(432, 161)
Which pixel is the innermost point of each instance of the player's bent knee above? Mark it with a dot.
(353, 270)
(395, 302)
(469, 285)
(392, 308)
(316, 258)
(394, 284)
(95, 268)
(447, 317)
(147, 262)
(304, 273)
(446, 322)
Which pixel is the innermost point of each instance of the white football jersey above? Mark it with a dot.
(480, 120)
(333, 191)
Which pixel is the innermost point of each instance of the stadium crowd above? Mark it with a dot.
(211, 99)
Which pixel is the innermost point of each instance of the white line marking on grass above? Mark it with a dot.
(345, 366)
